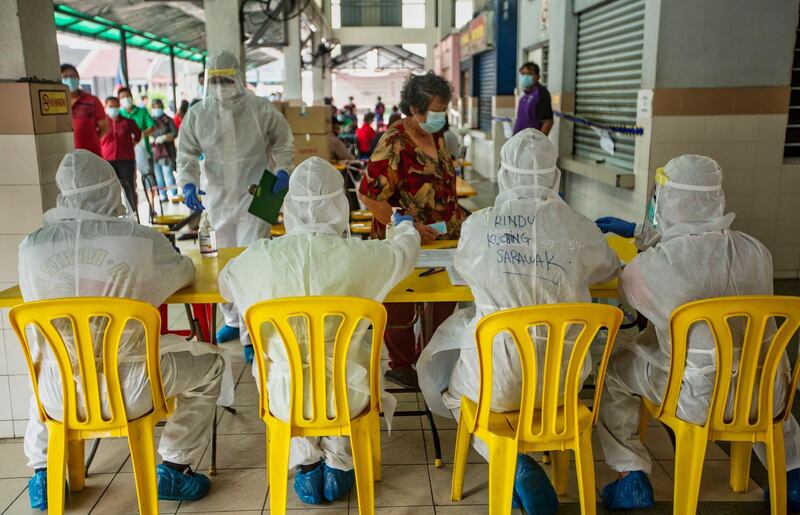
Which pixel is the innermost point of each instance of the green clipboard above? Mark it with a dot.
(265, 204)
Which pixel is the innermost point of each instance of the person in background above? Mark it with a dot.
(535, 109)
(339, 151)
(448, 366)
(380, 110)
(89, 122)
(364, 136)
(325, 261)
(395, 116)
(351, 105)
(452, 140)
(688, 252)
(144, 154)
(181, 114)
(164, 133)
(201, 79)
(411, 169)
(143, 265)
(142, 103)
(117, 146)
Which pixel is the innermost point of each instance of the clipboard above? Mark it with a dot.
(265, 204)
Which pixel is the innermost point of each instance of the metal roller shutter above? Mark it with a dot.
(486, 75)
(791, 147)
(608, 77)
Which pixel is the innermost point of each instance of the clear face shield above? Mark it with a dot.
(660, 190)
(223, 84)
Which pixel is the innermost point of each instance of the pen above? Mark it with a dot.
(431, 271)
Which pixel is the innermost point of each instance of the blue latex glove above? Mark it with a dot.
(178, 486)
(533, 489)
(282, 183)
(616, 225)
(397, 218)
(190, 197)
(633, 491)
(337, 483)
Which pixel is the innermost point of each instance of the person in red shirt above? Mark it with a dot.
(117, 147)
(365, 134)
(89, 122)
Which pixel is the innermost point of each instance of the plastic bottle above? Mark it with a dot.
(207, 237)
(390, 226)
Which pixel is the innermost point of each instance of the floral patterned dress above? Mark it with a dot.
(403, 175)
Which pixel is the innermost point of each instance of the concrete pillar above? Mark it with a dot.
(446, 18)
(222, 28)
(33, 140)
(293, 81)
(320, 75)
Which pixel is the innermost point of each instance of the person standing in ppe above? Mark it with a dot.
(689, 253)
(324, 261)
(240, 135)
(119, 258)
(528, 249)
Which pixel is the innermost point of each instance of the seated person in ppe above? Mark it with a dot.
(135, 262)
(689, 253)
(240, 135)
(317, 257)
(528, 249)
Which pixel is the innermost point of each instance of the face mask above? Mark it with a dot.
(71, 82)
(526, 81)
(157, 112)
(141, 104)
(112, 112)
(223, 91)
(126, 102)
(434, 122)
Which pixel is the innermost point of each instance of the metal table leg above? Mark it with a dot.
(212, 330)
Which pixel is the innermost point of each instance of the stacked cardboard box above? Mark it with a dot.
(311, 127)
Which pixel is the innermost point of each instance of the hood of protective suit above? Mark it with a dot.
(223, 82)
(88, 183)
(528, 166)
(316, 201)
(689, 197)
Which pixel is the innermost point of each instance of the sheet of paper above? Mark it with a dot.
(456, 279)
(436, 258)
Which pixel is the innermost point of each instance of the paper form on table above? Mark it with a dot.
(436, 258)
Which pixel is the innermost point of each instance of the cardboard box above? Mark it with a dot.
(307, 145)
(34, 108)
(280, 106)
(309, 120)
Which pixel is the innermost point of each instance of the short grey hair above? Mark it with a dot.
(419, 90)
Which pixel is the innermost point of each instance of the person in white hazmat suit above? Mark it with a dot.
(90, 246)
(528, 249)
(239, 136)
(689, 253)
(317, 257)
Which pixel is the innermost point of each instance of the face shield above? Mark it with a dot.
(316, 202)
(528, 162)
(687, 197)
(222, 82)
(88, 183)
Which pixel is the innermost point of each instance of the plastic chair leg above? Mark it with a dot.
(460, 460)
(76, 471)
(776, 469)
(502, 466)
(375, 435)
(56, 467)
(361, 444)
(584, 468)
(278, 442)
(690, 452)
(143, 459)
(740, 466)
(560, 461)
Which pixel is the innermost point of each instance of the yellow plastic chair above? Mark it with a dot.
(66, 436)
(363, 430)
(739, 428)
(552, 427)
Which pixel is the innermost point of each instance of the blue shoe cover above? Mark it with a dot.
(227, 333)
(308, 486)
(178, 486)
(533, 488)
(37, 490)
(792, 491)
(631, 492)
(337, 482)
(249, 354)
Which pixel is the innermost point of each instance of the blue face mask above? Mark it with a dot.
(526, 81)
(434, 122)
(157, 112)
(112, 112)
(71, 82)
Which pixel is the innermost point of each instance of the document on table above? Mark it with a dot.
(456, 279)
(437, 258)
